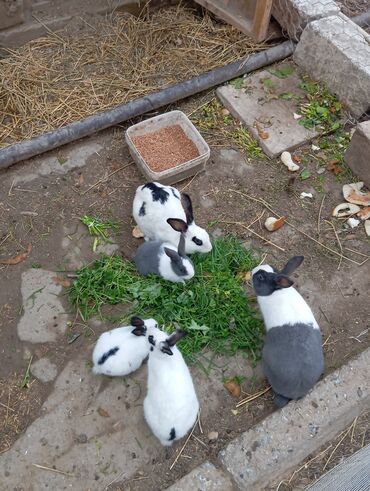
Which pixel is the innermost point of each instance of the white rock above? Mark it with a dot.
(315, 148)
(353, 222)
(306, 195)
(367, 227)
(297, 116)
(345, 210)
(287, 160)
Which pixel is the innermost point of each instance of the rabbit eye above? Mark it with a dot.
(197, 241)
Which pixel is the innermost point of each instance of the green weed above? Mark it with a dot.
(322, 108)
(99, 228)
(245, 140)
(212, 307)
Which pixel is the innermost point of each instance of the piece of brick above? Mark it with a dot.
(336, 51)
(294, 15)
(357, 156)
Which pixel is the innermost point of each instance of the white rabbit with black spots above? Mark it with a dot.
(171, 405)
(122, 350)
(165, 260)
(154, 203)
(292, 354)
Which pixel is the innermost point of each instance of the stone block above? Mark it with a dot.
(336, 51)
(294, 15)
(206, 477)
(357, 155)
(277, 445)
(11, 13)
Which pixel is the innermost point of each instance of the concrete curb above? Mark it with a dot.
(273, 448)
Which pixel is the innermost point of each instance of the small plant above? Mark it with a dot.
(322, 109)
(99, 229)
(245, 140)
(203, 307)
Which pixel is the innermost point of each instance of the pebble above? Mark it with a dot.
(212, 436)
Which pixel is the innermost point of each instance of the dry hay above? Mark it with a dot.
(353, 7)
(18, 407)
(58, 79)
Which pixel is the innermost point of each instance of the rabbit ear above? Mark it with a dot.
(292, 265)
(173, 255)
(175, 337)
(177, 224)
(188, 208)
(140, 328)
(166, 349)
(136, 321)
(283, 281)
(181, 247)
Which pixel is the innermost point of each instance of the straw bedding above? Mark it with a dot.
(61, 78)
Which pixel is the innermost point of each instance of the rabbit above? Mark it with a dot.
(292, 353)
(163, 259)
(171, 405)
(154, 203)
(121, 351)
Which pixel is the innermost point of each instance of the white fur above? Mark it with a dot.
(131, 353)
(171, 401)
(285, 306)
(154, 223)
(165, 268)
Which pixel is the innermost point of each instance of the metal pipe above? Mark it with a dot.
(97, 122)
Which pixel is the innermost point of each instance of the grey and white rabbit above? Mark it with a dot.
(122, 351)
(154, 203)
(292, 354)
(164, 259)
(171, 404)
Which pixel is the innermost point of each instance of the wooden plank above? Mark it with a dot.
(240, 13)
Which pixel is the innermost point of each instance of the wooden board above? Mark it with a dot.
(250, 16)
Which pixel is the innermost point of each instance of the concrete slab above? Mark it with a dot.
(277, 445)
(90, 428)
(44, 318)
(353, 474)
(206, 477)
(259, 105)
(44, 370)
(357, 154)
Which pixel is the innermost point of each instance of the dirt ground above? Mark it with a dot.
(41, 202)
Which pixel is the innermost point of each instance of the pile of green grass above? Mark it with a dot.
(212, 307)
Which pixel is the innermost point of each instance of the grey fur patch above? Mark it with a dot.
(142, 210)
(293, 359)
(147, 257)
(175, 193)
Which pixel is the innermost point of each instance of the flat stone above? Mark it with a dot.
(336, 51)
(44, 370)
(279, 443)
(70, 434)
(294, 15)
(44, 318)
(357, 156)
(259, 107)
(206, 477)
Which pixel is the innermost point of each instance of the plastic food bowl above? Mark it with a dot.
(181, 171)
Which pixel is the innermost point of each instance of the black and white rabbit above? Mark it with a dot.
(164, 259)
(154, 203)
(292, 354)
(171, 405)
(121, 351)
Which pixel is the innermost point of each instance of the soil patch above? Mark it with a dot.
(166, 148)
